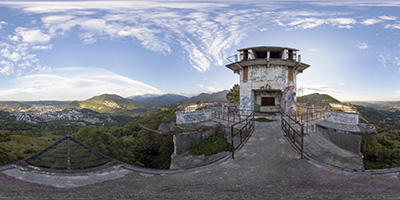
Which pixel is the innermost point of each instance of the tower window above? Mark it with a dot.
(245, 73)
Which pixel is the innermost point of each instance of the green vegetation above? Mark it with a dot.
(177, 129)
(263, 119)
(56, 158)
(381, 118)
(233, 96)
(132, 144)
(383, 150)
(106, 103)
(212, 145)
(15, 145)
(336, 109)
(124, 141)
(317, 98)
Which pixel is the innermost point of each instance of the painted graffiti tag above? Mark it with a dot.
(289, 100)
(11, 180)
(194, 117)
(341, 117)
(245, 102)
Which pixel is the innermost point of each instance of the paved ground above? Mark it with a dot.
(265, 168)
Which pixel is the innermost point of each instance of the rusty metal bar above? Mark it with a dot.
(302, 142)
(68, 156)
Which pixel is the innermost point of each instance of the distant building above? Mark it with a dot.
(268, 78)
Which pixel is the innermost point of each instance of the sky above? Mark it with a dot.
(73, 50)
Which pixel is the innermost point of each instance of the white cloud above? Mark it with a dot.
(82, 7)
(204, 30)
(2, 23)
(383, 58)
(209, 88)
(393, 26)
(42, 47)
(73, 84)
(340, 83)
(384, 17)
(358, 3)
(313, 22)
(362, 45)
(320, 88)
(32, 36)
(369, 22)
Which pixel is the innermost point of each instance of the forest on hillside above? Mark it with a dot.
(381, 150)
(128, 143)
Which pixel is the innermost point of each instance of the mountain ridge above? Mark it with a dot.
(316, 98)
(105, 103)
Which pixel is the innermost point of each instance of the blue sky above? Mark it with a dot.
(73, 50)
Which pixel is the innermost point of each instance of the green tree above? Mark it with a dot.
(102, 141)
(233, 95)
(370, 146)
(199, 102)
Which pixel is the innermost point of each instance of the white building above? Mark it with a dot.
(268, 78)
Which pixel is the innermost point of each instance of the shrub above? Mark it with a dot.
(212, 145)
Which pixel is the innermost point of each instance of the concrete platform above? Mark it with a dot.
(323, 150)
(267, 167)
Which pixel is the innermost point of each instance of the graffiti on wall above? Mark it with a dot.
(245, 102)
(289, 100)
(194, 117)
(343, 118)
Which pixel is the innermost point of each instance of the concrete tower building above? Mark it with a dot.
(268, 78)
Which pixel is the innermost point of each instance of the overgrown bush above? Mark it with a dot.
(214, 144)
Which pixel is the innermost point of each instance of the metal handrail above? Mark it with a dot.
(243, 132)
(291, 132)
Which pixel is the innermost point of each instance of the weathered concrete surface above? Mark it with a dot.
(187, 139)
(322, 149)
(67, 181)
(267, 167)
(341, 139)
(187, 161)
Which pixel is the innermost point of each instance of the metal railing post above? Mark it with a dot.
(233, 146)
(302, 141)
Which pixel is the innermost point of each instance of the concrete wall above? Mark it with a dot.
(276, 77)
(192, 117)
(342, 117)
(271, 77)
(184, 141)
(342, 139)
(260, 94)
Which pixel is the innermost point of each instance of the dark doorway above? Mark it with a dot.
(267, 101)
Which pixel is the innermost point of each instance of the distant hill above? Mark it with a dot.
(12, 106)
(48, 103)
(143, 97)
(214, 97)
(106, 103)
(151, 101)
(316, 98)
